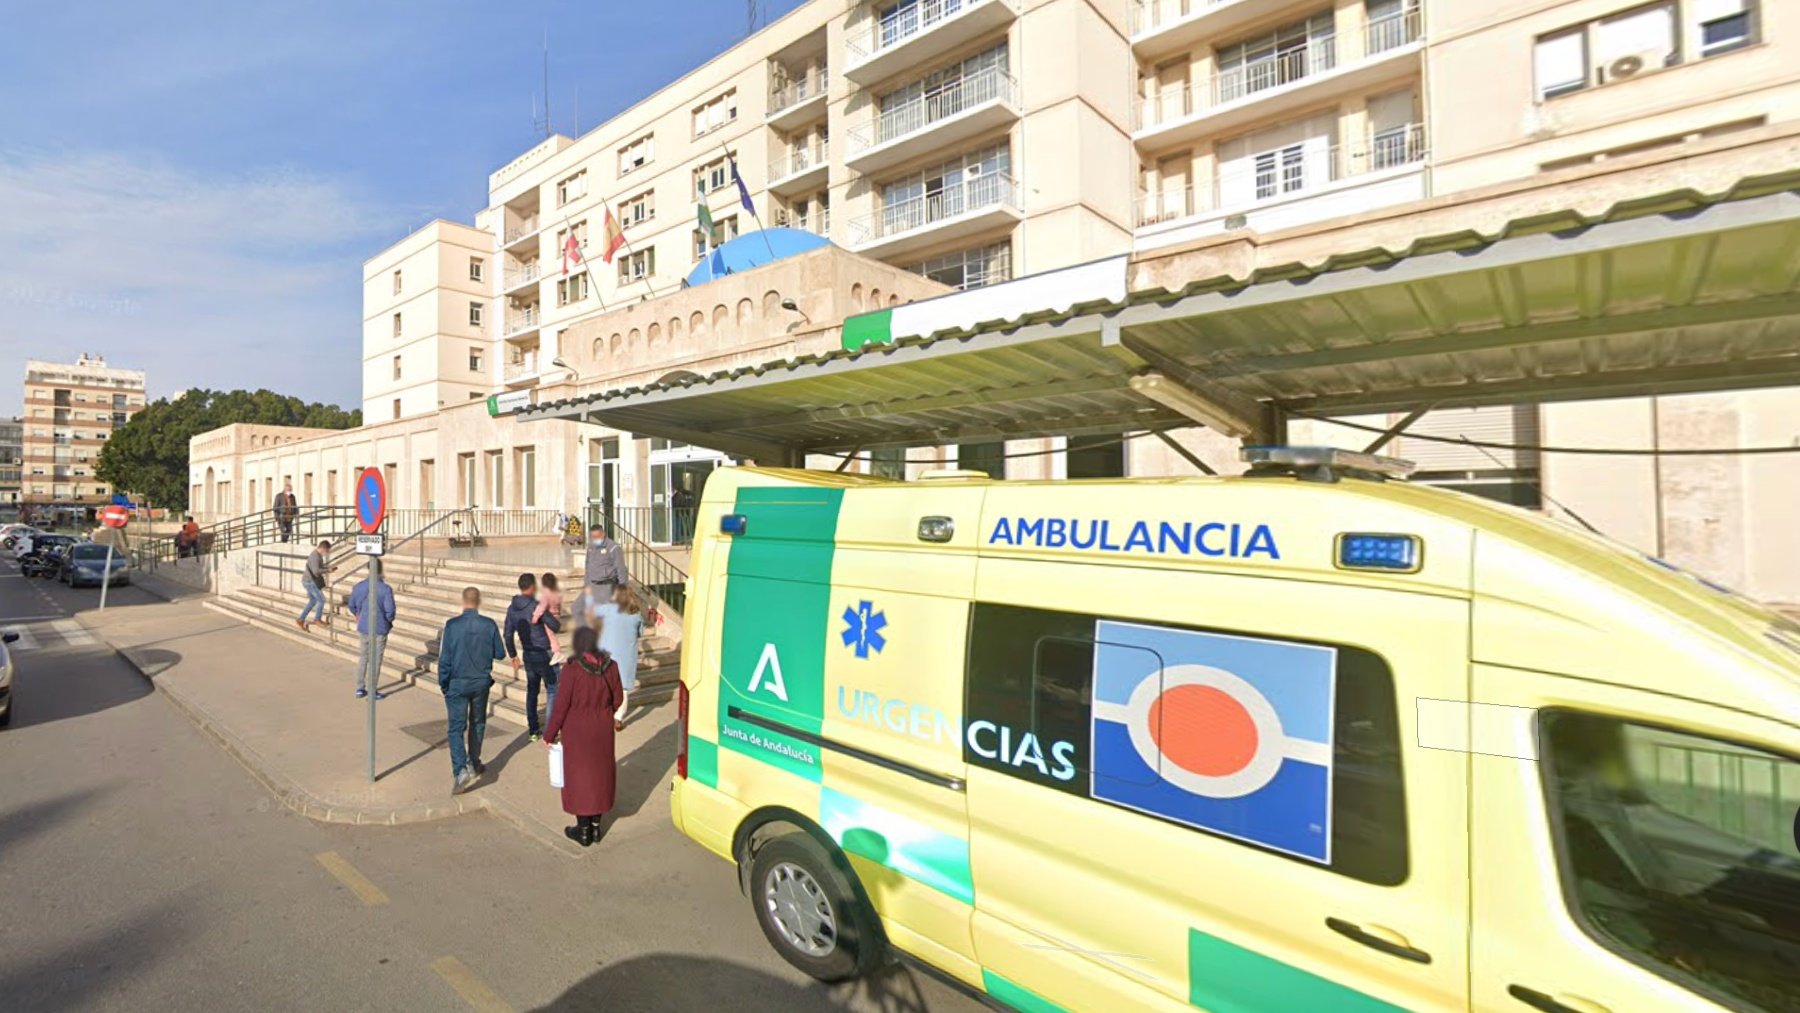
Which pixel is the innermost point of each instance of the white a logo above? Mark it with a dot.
(770, 663)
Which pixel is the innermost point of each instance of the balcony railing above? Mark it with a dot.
(988, 190)
(1147, 15)
(797, 160)
(818, 221)
(1286, 67)
(523, 276)
(915, 114)
(798, 90)
(1284, 173)
(520, 369)
(523, 321)
(906, 23)
(521, 229)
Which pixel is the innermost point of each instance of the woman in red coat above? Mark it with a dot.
(587, 694)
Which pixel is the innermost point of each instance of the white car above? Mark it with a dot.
(6, 678)
(10, 534)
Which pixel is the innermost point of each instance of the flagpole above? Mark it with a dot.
(586, 265)
(630, 250)
(744, 192)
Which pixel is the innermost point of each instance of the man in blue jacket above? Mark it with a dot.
(466, 654)
(368, 671)
(529, 639)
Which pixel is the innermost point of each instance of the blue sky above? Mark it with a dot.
(192, 188)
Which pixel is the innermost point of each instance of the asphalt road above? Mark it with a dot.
(142, 868)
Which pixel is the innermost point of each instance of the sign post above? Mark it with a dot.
(115, 518)
(371, 510)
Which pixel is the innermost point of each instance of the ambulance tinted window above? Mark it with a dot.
(1034, 713)
(1678, 853)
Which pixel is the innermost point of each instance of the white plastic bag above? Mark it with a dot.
(556, 768)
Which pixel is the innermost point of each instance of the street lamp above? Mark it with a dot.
(793, 307)
(558, 361)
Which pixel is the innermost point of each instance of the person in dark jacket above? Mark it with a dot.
(368, 670)
(466, 654)
(287, 509)
(530, 641)
(582, 720)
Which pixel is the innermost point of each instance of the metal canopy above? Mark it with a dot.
(1675, 294)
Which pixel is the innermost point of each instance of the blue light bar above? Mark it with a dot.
(733, 524)
(1389, 553)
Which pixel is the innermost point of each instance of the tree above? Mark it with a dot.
(148, 455)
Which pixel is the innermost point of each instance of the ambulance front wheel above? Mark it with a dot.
(810, 912)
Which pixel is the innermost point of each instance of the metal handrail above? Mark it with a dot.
(248, 531)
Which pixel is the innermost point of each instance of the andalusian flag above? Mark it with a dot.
(702, 213)
(615, 238)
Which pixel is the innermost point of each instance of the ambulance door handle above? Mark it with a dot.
(1549, 1004)
(1378, 938)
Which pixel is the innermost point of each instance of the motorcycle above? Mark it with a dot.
(38, 564)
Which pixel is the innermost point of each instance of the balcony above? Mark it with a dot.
(527, 319)
(521, 370)
(526, 275)
(1162, 27)
(967, 109)
(520, 231)
(1289, 187)
(1285, 83)
(977, 205)
(920, 31)
(818, 222)
(800, 101)
(799, 170)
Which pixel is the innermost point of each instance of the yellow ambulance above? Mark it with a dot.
(1311, 739)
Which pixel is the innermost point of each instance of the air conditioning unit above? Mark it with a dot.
(972, 171)
(1624, 68)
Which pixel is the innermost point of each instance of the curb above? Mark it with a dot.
(289, 794)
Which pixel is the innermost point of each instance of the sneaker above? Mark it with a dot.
(361, 693)
(379, 695)
(464, 781)
(301, 623)
(535, 736)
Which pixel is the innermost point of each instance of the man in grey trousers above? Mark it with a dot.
(380, 613)
(605, 568)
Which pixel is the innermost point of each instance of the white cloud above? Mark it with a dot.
(216, 281)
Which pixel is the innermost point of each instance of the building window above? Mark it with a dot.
(396, 367)
(475, 360)
(723, 230)
(476, 269)
(966, 269)
(637, 209)
(580, 230)
(396, 282)
(716, 113)
(637, 154)
(396, 407)
(572, 188)
(1724, 25)
(572, 289)
(637, 266)
(989, 458)
(1280, 57)
(714, 175)
(1049, 678)
(888, 463)
(496, 478)
(396, 325)
(1606, 50)
(975, 180)
(475, 315)
(1671, 850)
(528, 478)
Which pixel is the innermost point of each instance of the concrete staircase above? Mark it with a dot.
(427, 594)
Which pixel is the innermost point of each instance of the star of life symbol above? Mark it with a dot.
(862, 629)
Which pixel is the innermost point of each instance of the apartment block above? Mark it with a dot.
(427, 338)
(71, 409)
(12, 460)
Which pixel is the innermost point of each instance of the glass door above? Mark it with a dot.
(659, 504)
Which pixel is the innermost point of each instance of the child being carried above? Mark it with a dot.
(549, 601)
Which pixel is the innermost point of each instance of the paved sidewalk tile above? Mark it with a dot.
(288, 713)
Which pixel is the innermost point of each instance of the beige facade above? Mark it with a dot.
(70, 411)
(426, 338)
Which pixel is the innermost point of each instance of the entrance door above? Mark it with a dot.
(602, 492)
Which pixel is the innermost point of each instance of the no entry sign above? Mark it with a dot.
(115, 516)
(371, 500)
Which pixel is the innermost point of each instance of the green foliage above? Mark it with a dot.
(148, 456)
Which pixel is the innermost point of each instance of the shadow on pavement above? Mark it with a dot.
(667, 981)
(47, 688)
(75, 976)
(643, 770)
(18, 825)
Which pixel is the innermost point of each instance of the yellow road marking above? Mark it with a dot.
(474, 991)
(358, 883)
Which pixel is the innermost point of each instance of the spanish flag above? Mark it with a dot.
(615, 237)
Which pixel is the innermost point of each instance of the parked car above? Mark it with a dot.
(9, 535)
(6, 678)
(85, 564)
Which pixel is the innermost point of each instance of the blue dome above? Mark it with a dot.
(753, 249)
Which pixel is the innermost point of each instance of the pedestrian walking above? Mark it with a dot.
(582, 721)
(605, 567)
(529, 641)
(550, 602)
(379, 615)
(287, 509)
(314, 581)
(621, 625)
(467, 651)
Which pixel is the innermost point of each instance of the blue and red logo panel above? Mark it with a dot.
(1227, 734)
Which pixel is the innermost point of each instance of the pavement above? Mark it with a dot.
(289, 715)
(142, 867)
